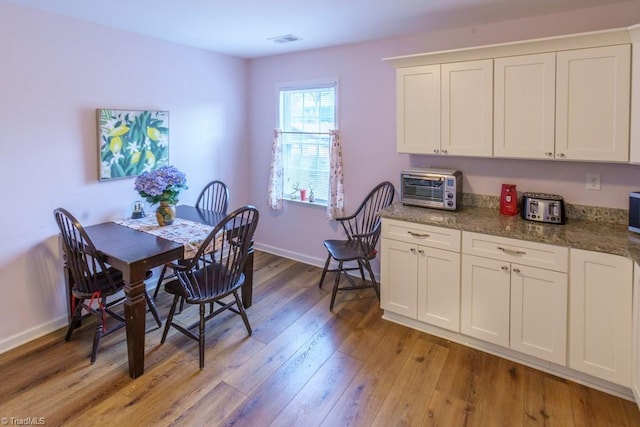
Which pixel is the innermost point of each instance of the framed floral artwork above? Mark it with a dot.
(132, 142)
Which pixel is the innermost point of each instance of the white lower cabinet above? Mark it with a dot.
(571, 307)
(439, 287)
(539, 313)
(513, 304)
(420, 280)
(485, 299)
(399, 277)
(601, 314)
(635, 360)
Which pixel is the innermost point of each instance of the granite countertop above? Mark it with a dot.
(612, 238)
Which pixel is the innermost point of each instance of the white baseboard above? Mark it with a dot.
(32, 334)
(296, 256)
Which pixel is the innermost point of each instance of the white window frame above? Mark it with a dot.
(300, 86)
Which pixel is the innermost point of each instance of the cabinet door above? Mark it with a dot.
(485, 299)
(592, 104)
(634, 137)
(539, 313)
(635, 361)
(418, 109)
(439, 287)
(524, 106)
(600, 301)
(399, 277)
(467, 108)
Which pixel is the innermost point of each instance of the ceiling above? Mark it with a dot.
(243, 28)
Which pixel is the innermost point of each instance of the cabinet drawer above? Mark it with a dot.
(421, 234)
(523, 252)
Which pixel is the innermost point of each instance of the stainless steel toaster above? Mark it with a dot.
(543, 207)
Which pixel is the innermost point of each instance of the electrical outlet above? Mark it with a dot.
(593, 181)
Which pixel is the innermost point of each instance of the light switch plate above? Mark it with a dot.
(593, 181)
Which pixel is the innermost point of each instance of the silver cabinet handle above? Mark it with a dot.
(435, 150)
(561, 155)
(445, 152)
(511, 251)
(516, 270)
(421, 251)
(548, 154)
(505, 268)
(413, 250)
(414, 234)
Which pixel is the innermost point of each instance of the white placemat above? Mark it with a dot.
(189, 233)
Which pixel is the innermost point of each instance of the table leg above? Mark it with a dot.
(135, 309)
(247, 288)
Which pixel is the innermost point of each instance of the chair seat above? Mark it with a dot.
(348, 250)
(362, 229)
(208, 290)
(103, 285)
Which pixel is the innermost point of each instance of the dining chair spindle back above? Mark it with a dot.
(213, 274)
(93, 280)
(213, 197)
(362, 229)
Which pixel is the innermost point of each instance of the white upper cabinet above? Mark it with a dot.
(592, 104)
(445, 109)
(560, 98)
(634, 154)
(467, 108)
(569, 105)
(418, 109)
(524, 106)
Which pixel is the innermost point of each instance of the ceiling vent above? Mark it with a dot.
(287, 38)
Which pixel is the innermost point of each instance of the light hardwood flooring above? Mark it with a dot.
(303, 366)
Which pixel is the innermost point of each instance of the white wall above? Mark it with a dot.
(367, 122)
(54, 73)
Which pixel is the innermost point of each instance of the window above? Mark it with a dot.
(307, 115)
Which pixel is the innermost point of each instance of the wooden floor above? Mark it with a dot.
(303, 366)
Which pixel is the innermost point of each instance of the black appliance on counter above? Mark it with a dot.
(634, 211)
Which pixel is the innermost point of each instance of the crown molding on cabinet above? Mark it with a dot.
(541, 45)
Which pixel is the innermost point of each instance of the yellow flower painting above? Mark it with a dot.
(132, 142)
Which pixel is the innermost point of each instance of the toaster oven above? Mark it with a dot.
(431, 188)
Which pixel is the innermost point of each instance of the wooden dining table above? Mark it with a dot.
(135, 252)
